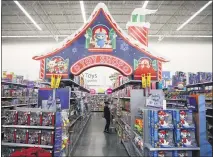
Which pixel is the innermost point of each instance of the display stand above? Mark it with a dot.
(138, 101)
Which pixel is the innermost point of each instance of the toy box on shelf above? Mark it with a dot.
(17, 92)
(175, 132)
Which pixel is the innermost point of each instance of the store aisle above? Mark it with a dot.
(96, 143)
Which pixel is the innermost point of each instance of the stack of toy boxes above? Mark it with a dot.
(168, 129)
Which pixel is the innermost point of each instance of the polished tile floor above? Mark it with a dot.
(94, 142)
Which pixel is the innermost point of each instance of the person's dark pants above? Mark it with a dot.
(107, 124)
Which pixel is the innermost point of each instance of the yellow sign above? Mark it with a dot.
(52, 83)
(143, 81)
(148, 79)
(58, 81)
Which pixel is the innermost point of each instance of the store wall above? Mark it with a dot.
(188, 56)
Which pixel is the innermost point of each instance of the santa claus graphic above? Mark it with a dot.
(145, 67)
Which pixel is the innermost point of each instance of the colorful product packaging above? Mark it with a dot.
(23, 118)
(185, 138)
(160, 154)
(21, 135)
(36, 118)
(163, 138)
(183, 119)
(48, 119)
(47, 137)
(180, 153)
(162, 119)
(34, 137)
(9, 134)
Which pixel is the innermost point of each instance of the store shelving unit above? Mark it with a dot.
(200, 87)
(69, 82)
(11, 98)
(136, 100)
(130, 82)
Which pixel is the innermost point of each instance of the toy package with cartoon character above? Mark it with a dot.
(183, 119)
(34, 136)
(48, 119)
(181, 153)
(23, 118)
(47, 137)
(160, 154)
(21, 135)
(162, 119)
(11, 117)
(35, 118)
(163, 138)
(185, 138)
(9, 135)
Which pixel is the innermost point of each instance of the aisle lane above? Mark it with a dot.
(96, 143)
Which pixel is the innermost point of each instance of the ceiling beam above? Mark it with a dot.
(33, 8)
(49, 20)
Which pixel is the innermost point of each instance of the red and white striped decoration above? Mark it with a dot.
(139, 33)
(42, 69)
(159, 71)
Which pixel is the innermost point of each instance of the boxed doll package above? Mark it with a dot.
(36, 118)
(162, 119)
(183, 119)
(185, 138)
(34, 137)
(9, 134)
(48, 119)
(23, 118)
(181, 153)
(160, 153)
(47, 137)
(21, 135)
(10, 117)
(163, 138)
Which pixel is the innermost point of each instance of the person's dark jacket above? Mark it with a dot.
(106, 112)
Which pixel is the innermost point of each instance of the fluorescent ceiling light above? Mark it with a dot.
(193, 16)
(145, 4)
(168, 36)
(83, 11)
(26, 13)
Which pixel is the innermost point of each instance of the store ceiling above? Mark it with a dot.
(61, 18)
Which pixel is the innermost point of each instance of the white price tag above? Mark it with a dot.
(164, 104)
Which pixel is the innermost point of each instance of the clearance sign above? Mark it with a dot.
(105, 60)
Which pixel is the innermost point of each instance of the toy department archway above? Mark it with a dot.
(100, 42)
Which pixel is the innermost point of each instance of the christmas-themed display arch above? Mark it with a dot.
(101, 41)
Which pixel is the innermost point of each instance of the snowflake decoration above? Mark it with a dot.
(74, 50)
(124, 46)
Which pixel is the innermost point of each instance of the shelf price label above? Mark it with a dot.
(143, 77)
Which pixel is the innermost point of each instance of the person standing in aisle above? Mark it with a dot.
(107, 116)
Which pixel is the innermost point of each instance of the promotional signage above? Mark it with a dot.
(107, 60)
(101, 42)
